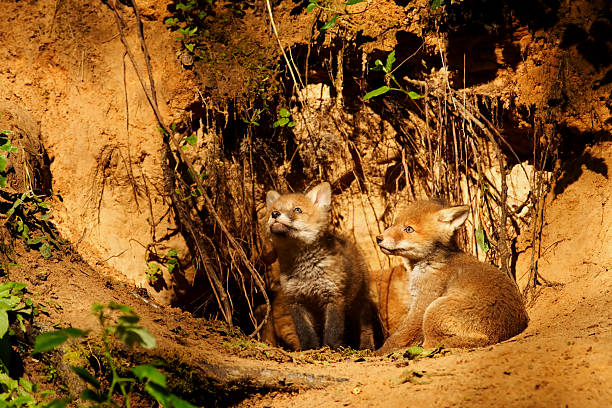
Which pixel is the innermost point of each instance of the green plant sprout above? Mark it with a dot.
(388, 69)
(284, 119)
(480, 234)
(253, 119)
(191, 140)
(154, 271)
(436, 4)
(313, 4)
(127, 330)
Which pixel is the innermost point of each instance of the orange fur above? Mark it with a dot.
(455, 300)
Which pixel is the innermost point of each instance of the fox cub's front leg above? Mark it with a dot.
(303, 321)
(333, 332)
(408, 334)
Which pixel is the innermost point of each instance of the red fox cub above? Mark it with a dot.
(455, 300)
(323, 277)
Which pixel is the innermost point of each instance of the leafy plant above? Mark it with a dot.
(253, 119)
(190, 140)
(388, 69)
(284, 119)
(15, 305)
(14, 302)
(187, 20)
(126, 329)
(316, 4)
(28, 218)
(154, 271)
(6, 148)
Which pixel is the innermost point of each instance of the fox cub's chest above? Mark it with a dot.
(311, 278)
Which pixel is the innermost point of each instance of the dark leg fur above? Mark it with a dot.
(304, 327)
(366, 326)
(333, 333)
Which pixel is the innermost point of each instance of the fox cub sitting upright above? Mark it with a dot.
(455, 300)
(322, 275)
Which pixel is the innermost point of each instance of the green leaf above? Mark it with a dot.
(172, 253)
(414, 95)
(57, 403)
(4, 322)
(330, 23)
(8, 147)
(91, 395)
(2, 181)
(192, 139)
(131, 319)
(284, 113)
(161, 394)
(382, 90)
(413, 352)
(390, 61)
(122, 308)
(148, 372)
(3, 162)
(190, 47)
(27, 385)
(281, 122)
(352, 2)
(45, 250)
(176, 402)
(86, 376)
(23, 400)
(171, 267)
(131, 334)
(378, 66)
(311, 7)
(50, 340)
(436, 4)
(291, 124)
(33, 241)
(482, 240)
(97, 307)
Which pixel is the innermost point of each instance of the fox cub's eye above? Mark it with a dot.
(297, 210)
(409, 229)
(275, 214)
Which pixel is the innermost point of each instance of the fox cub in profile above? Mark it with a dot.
(455, 300)
(322, 275)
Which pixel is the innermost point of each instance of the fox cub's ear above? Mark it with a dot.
(454, 216)
(271, 197)
(320, 195)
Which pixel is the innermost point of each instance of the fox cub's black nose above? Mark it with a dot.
(275, 214)
(379, 239)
